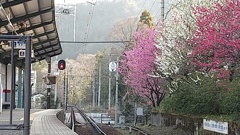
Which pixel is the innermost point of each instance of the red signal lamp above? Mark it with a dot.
(61, 64)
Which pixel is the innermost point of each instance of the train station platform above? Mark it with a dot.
(47, 123)
(43, 122)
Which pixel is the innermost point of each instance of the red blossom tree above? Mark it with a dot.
(138, 68)
(216, 41)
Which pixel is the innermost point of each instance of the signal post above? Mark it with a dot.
(62, 66)
(51, 79)
(48, 59)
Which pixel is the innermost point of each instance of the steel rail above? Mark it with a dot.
(94, 125)
(137, 130)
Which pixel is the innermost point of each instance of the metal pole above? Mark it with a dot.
(99, 84)
(12, 83)
(19, 88)
(116, 100)
(27, 89)
(109, 86)
(49, 84)
(6, 69)
(74, 24)
(55, 95)
(67, 90)
(55, 88)
(23, 94)
(162, 9)
(93, 89)
(64, 89)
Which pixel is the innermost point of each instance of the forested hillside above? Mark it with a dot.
(98, 26)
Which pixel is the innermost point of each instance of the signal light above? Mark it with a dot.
(61, 64)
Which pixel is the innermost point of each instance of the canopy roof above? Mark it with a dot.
(30, 17)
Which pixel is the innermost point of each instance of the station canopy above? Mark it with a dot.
(29, 17)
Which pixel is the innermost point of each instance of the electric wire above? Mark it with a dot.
(88, 26)
(140, 11)
(152, 5)
(87, 29)
(163, 15)
(157, 12)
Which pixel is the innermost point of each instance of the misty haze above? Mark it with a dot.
(95, 21)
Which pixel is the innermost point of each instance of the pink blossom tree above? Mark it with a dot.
(139, 69)
(216, 41)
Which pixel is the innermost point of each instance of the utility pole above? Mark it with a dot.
(109, 86)
(6, 80)
(93, 90)
(49, 83)
(99, 84)
(162, 9)
(56, 85)
(116, 103)
(74, 23)
(69, 10)
(67, 90)
(64, 89)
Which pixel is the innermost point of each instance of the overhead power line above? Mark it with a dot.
(89, 24)
(162, 11)
(152, 5)
(88, 42)
(140, 11)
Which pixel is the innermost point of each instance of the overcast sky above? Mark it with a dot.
(96, 25)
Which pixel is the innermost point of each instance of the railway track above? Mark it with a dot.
(84, 125)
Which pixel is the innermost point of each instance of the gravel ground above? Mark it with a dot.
(161, 130)
(85, 129)
(156, 130)
(109, 130)
(88, 130)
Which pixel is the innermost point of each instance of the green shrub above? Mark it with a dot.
(204, 97)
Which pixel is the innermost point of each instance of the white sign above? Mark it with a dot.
(18, 44)
(49, 86)
(56, 73)
(140, 111)
(112, 66)
(21, 53)
(215, 126)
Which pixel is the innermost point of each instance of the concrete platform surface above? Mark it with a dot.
(43, 122)
(17, 119)
(46, 123)
(18, 114)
